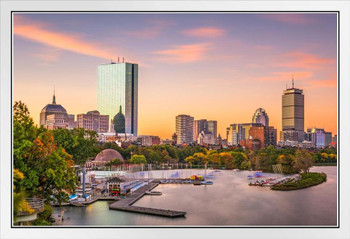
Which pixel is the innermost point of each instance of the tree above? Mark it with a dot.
(46, 168)
(78, 142)
(302, 160)
(19, 202)
(138, 159)
(190, 160)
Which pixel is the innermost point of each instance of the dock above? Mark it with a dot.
(125, 204)
(84, 203)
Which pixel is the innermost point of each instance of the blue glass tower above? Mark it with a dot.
(118, 87)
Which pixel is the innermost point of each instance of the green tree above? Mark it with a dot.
(138, 159)
(80, 143)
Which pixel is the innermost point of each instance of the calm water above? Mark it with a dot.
(229, 201)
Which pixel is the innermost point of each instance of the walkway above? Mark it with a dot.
(125, 204)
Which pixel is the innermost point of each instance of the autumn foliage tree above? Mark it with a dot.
(46, 168)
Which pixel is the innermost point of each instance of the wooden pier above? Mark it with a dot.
(125, 204)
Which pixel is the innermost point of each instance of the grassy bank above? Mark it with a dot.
(325, 164)
(307, 180)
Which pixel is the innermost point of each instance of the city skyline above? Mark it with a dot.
(208, 69)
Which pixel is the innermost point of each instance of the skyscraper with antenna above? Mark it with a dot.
(292, 114)
(117, 86)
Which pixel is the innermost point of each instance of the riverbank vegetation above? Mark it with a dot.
(307, 180)
(44, 160)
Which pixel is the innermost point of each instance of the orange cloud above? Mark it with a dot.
(304, 60)
(185, 53)
(38, 33)
(301, 19)
(209, 32)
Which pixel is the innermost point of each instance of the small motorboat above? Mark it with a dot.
(207, 182)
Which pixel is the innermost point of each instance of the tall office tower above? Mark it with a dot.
(199, 126)
(184, 129)
(118, 87)
(260, 116)
(213, 128)
(293, 113)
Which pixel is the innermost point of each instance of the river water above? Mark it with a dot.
(228, 202)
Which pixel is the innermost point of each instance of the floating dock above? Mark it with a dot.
(125, 204)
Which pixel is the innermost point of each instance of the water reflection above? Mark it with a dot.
(230, 201)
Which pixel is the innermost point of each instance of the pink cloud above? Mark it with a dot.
(209, 32)
(301, 19)
(185, 53)
(299, 59)
(38, 32)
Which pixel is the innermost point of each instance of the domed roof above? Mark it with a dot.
(54, 108)
(260, 116)
(119, 122)
(108, 155)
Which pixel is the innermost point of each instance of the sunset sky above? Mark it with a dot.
(211, 66)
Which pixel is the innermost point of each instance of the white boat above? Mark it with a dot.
(207, 182)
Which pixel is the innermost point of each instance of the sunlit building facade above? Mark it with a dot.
(93, 120)
(118, 87)
(292, 114)
(184, 129)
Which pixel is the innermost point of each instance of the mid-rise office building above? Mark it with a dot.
(292, 114)
(206, 126)
(234, 134)
(118, 87)
(184, 129)
(93, 120)
(149, 140)
(213, 128)
(200, 126)
(319, 137)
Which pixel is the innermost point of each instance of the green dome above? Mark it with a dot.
(119, 122)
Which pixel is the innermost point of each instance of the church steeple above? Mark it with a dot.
(54, 97)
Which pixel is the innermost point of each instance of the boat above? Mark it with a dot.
(153, 193)
(207, 182)
(73, 197)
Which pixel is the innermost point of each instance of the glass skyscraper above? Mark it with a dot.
(118, 86)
